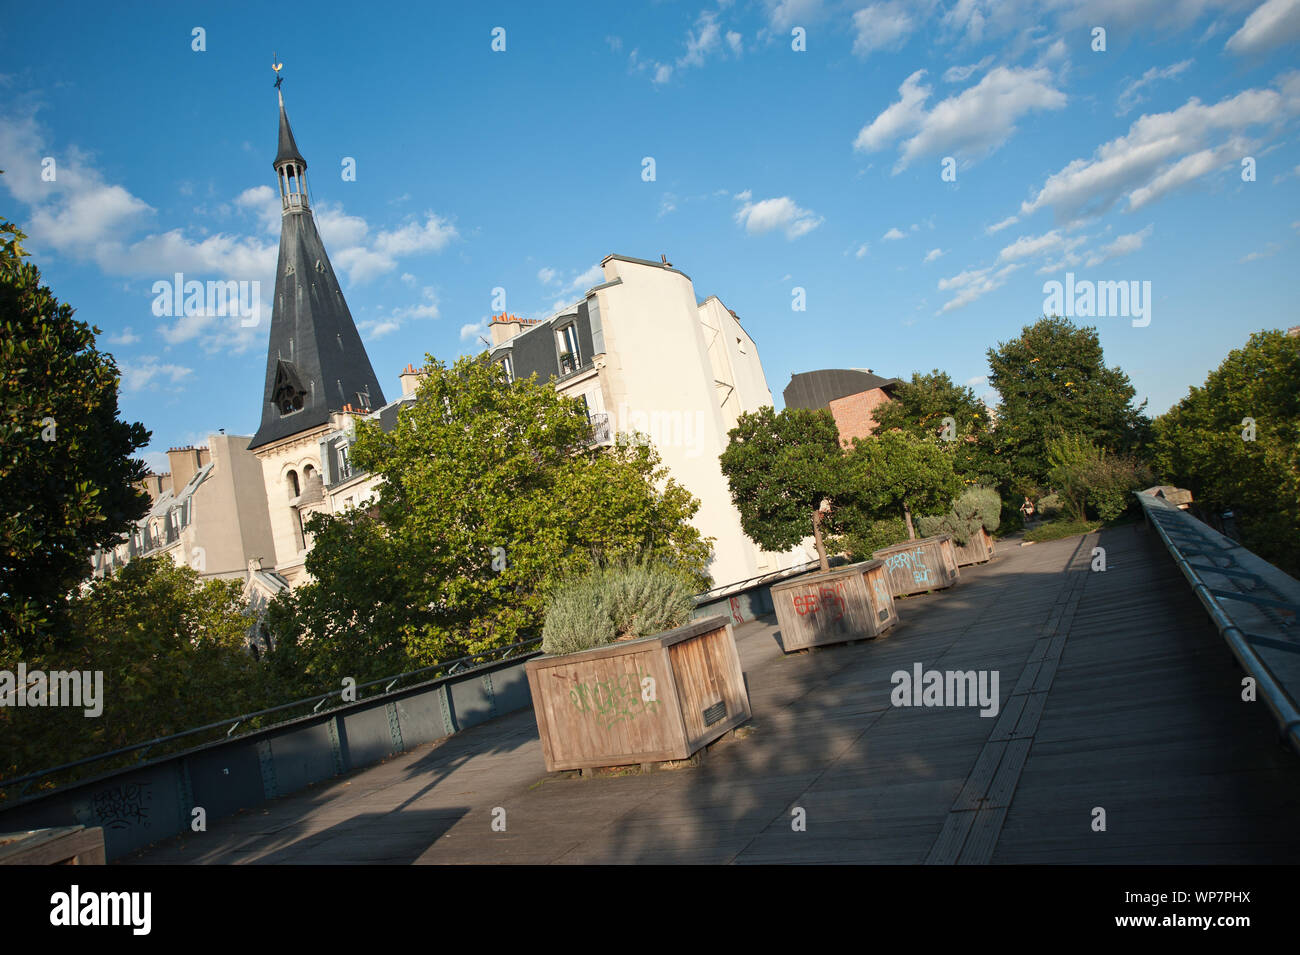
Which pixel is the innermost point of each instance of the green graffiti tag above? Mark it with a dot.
(614, 700)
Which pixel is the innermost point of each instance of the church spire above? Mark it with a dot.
(315, 363)
(290, 167)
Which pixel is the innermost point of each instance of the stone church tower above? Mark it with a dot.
(318, 375)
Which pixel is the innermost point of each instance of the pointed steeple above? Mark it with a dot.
(288, 148)
(315, 363)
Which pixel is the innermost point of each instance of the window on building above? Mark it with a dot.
(292, 479)
(567, 342)
(508, 367)
(345, 463)
(307, 474)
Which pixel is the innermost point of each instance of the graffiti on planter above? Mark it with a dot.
(828, 597)
(882, 597)
(913, 560)
(123, 806)
(614, 700)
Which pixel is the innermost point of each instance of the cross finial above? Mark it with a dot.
(277, 66)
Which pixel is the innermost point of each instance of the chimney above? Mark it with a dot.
(410, 379)
(505, 327)
(185, 463)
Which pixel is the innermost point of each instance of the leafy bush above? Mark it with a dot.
(620, 601)
(862, 538)
(1090, 480)
(975, 508)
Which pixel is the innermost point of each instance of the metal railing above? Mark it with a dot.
(456, 667)
(1186, 537)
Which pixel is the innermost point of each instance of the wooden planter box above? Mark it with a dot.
(847, 603)
(66, 845)
(591, 708)
(913, 567)
(977, 550)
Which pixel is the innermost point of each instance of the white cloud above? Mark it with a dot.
(863, 249)
(430, 236)
(585, 280)
(999, 226)
(1028, 246)
(782, 15)
(881, 26)
(976, 121)
(1272, 24)
(933, 254)
(779, 213)
(1123, 245)
(1271, 250)
(960, 74)
(1130, 96)
(977, 380)
(703, 39)
(471, 331)
(899, 118)
(1162, 151)
(125, 337)
(547, 275)
(894, 235)
(973, 284)
(148, 372)
(374, 329)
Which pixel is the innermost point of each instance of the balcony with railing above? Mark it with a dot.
(602, 429)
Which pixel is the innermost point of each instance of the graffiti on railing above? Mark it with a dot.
(122, 806)
(617, 699)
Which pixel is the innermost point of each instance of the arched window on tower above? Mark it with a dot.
(294, 489)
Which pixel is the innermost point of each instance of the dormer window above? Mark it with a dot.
(508, 367)
(566, 341)
(288, 393)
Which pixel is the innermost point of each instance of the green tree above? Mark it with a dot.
(1202, 444)
(781, 468)
(1052, 381)
(491, 493)
(172, 650)
(920, 406)
(66, 471)
(899, 474)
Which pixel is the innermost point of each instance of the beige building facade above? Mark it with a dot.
(648, 358)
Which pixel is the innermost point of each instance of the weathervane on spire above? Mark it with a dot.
(277, 67)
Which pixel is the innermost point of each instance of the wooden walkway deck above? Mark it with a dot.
(1116, 692)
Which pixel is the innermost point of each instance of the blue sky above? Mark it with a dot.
(775, 168)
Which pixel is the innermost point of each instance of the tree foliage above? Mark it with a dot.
(899, 475)
(780, 468)
(491, 492)
(1053, 381)
(919, 408)
(1091, 481)
(66, 470)
(172, 651)
(1201, 444)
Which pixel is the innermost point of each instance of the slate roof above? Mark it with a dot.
(288, 148)
(314, 350)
